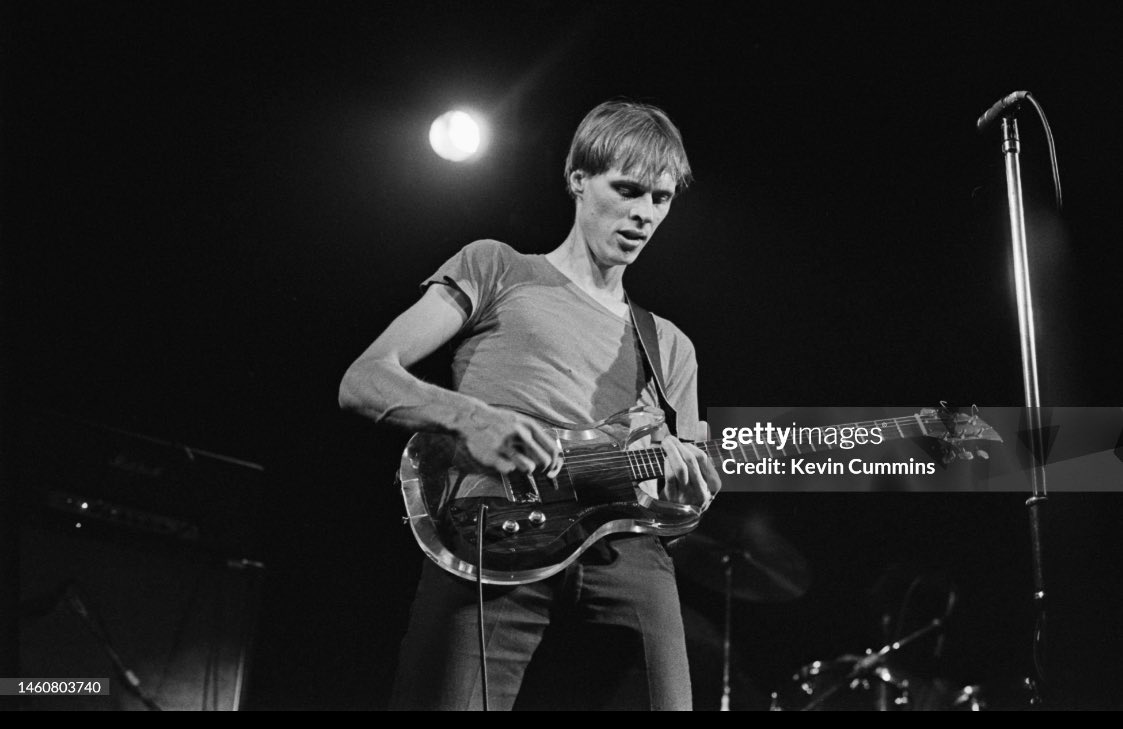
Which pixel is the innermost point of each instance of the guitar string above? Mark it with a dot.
(713, 442)
(640, 464)
(640, 467)
(644, 460)
(620, 456)
(710, 449)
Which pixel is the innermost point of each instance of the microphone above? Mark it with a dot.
(1000, 106)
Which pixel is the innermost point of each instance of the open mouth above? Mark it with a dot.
(633, 236)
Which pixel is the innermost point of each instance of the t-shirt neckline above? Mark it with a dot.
(583, 294)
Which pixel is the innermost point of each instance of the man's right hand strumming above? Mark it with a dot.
(508, 441)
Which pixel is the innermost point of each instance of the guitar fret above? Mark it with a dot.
(648, 464)
(642, 462)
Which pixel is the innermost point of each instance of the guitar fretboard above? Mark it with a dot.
(647, 463)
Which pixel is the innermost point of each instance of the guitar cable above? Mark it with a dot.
(481, 517)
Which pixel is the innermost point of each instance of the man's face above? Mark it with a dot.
(618, 213)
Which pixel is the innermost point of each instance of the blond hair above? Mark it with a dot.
(639, 139)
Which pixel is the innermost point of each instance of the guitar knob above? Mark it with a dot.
(511, 526)
(537, 518)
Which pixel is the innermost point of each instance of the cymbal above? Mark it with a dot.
(766, 567)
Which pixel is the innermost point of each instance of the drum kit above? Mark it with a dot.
(747, 561)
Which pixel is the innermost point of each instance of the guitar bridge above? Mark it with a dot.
(521, 488)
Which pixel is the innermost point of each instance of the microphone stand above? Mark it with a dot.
(1011, 148)
(727, 639)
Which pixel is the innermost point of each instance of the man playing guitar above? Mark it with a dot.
(548, 338)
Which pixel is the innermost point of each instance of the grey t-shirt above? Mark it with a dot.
(535, 342)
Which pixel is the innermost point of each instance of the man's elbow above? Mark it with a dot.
(349, 391)
(363, 387)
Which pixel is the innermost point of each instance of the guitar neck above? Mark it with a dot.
(647, 463)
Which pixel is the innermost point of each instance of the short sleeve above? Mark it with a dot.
(477, 271)
(681, 371)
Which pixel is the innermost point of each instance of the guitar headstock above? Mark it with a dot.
(963, 434)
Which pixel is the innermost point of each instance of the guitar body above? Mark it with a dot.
(535, 526)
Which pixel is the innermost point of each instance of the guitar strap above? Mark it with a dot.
(644, 323)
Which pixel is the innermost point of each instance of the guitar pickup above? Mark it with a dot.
(522, 488)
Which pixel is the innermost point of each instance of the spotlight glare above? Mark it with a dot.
(455, 136)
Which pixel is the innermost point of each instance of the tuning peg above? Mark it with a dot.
(956, 451)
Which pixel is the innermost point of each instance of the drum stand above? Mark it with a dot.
(867, 665)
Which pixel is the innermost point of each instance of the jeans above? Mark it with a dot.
(606, 632)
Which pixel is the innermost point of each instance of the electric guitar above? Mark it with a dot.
(535, 526)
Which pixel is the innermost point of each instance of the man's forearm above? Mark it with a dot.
(386, 392)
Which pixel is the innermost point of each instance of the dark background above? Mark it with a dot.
(211, 209)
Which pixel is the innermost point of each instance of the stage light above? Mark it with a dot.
(455, 136)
